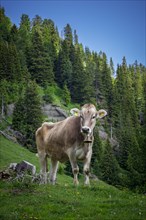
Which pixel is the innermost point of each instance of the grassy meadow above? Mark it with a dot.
(63, 201)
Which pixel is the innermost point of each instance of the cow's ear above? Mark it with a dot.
(75, 112)
(101, 113)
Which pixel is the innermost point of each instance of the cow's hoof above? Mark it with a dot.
(76, 182)
(86, 185)
(52, 182)
(43, 182)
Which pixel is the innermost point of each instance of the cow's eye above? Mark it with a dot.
(94, 116)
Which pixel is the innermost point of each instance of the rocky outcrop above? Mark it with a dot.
(15, 136)
(10, 109)
(53, 112)
(25, 166)
(104, 136)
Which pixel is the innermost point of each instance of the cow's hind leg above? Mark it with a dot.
(53, 171)
(44, 167)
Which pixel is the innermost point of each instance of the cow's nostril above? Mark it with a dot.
(85, 130)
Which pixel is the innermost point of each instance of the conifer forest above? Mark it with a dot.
(36, 63)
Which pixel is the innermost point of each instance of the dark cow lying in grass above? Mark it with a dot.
(70, 139)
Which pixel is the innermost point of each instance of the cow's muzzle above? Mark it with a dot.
(88, 139)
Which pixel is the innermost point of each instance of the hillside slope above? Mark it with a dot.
(14, 153)
(63, 201)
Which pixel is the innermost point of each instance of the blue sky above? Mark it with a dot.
(117, 28)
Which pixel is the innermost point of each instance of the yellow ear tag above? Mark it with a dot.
(76, 114)
(101, 114)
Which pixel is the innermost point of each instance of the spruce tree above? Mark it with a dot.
(4, 97)
(18, 122)
(14, 34)
(10, 68)
(51, 39)
(40, 65)
(97, 79)
(136, 77)
(143, 126)
(14, 67)
(33, 116)
(37, 21)
(63, 68)
(68, 36)
(107, 88)
(4, 74)
(5, 26)
(28, 112)
(75, 38)
(112, 67)
(89, 67)
(23, 41)
(109, 166)
(67, 97)
(126, 121)
(78, 92)
(97, 153)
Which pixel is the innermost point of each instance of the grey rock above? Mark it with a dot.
(25, 166)
(53, 112)
(10, 109)
(12, 166)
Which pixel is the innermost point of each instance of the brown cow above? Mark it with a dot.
(70, 139)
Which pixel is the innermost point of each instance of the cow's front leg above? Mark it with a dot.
(73, 161)
(75, 168)
(53, 171)
(86, 167)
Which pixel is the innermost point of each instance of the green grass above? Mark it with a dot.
(63, 201)
(11, 153)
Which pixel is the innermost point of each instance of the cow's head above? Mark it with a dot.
(88, 115)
